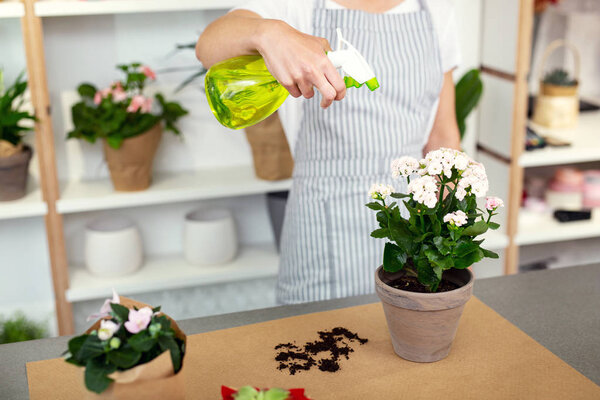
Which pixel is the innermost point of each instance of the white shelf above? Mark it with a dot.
(543, 228)
(585, 144)
(32, 205)
(166, 188)
(51, 8)
(11, 10)
(166, 273)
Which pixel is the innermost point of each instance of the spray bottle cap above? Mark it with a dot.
(353, 64)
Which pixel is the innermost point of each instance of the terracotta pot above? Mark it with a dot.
(14, 171)
(423, 325)
(131, 165)
(270, 150)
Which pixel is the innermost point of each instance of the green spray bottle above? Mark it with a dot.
(242, 92)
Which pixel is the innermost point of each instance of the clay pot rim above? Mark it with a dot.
(464, 288)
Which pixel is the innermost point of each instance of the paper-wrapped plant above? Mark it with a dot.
(252, 393)
(132, 347)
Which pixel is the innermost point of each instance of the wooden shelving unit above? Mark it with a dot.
(32, 205)
(11, 10)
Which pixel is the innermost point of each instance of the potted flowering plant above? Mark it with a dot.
(129, 122)
(14, 154)
(424, 281)
(252, 393)
(132, 352)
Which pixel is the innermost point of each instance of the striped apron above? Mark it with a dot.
(326, 248)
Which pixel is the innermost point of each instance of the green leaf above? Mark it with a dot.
(382, 218)
(468, 260)
(493, 225)
(246, 393)
(375, 206)
(75, 345)
(96, 371)
(276, 394)
(90, 348)
(444, 245)
(402, 236)
(464, 247)
(87, 90)
(427, 275)
(380, 233)
(436, 225)
(424, 236)
(156, 309)
(120, 311)
(115, 141)
(142, 341)
(438, 260)
(394, 258)
(399, 195)
(168, 343)
(124, 357)
(489, 253)
(476, 229)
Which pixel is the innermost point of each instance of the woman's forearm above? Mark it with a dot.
(237, 33)
(444, 132)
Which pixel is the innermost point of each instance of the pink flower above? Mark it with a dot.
(105, 309)
(107, 329)
(492, 203)
(98, 98)
(118, 93)
(137, 102)
(146, 70)
(138, 320)
(147, 106)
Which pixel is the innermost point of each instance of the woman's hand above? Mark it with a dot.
(299, 62)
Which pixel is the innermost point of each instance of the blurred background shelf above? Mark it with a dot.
(173, 272)
(495, 240)
(543, 228)
(585, 145)
(167, 188)
(11, 10)
(50, 8)
(32, 205)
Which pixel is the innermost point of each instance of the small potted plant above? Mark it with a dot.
(424, 281)
(132, 352)
(252, 393)
(559, 82)
(129, 122)
(14, 154)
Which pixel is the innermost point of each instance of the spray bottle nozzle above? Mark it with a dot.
(354, 65)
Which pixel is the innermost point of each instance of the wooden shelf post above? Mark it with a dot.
(44, 141)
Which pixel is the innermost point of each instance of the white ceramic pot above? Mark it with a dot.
(113, 247)
(209, 237)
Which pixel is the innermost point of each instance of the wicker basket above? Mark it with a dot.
(557, 107)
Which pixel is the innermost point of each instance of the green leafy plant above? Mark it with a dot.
(125, 339)
(12, 114)
(252, 393)
(122, 111)
(19, 329)
(443, 222)
(559, 77)
(468, 92)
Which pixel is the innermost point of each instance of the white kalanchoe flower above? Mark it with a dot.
(379, 191)
(492, 203)
(107, 329)
(404, 166)
(424, 190)
(456, 218)
(461, 161)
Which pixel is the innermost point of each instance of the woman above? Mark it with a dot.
(343, 147)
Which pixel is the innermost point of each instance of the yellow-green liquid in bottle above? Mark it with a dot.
(242, 92)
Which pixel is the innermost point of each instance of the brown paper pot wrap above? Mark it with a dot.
(423, 325)
(270, 149)
(14, 171)
(131, 165)
(154, 380)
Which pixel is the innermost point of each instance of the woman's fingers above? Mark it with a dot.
(328, 92)
(336, 81)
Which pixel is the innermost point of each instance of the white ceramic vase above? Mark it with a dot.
(113, 247)
(209, 237)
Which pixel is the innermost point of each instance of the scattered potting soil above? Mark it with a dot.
(411, 284)
(336, 343)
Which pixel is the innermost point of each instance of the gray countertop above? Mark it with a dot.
(558, 308)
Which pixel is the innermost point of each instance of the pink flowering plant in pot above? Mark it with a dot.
(430, 246)
(128, 121)
(129, 335)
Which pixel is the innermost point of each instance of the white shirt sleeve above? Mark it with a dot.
(296, 13)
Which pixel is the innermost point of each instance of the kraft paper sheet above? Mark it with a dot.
(490, 359)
